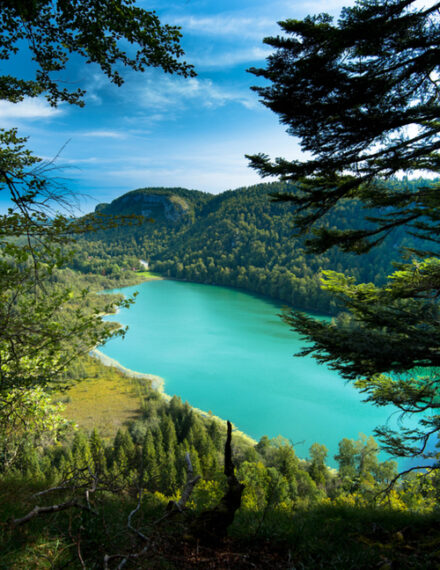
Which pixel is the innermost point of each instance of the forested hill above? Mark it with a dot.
(239, 238)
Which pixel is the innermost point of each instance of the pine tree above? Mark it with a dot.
(81, 454)
(168, 474)
(363, 97)
(97, 450)
(350, 92)
(168, 432)
(149, 462)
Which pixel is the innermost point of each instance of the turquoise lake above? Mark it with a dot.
(228, 351)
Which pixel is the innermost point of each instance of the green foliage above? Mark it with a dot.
(366, 106)
(285, 499)
(94, 30)
(28, 421)
(320, 513)
(238, 238)
(318, 469)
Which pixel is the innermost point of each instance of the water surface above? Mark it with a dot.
(229, 352)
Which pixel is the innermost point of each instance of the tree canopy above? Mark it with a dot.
(98, 31)
(363, 97)
(44, 324)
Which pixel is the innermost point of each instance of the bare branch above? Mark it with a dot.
(172, 509)
(48, 510)
(191, 482)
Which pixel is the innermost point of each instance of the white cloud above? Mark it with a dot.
(231, 58)
(28, 109)
(168, 93)
(75, 162)
(205, 164)
(330, 6)
(212, 180)
(225, 25)
(104, 134)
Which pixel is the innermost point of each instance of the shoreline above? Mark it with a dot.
(158, 384)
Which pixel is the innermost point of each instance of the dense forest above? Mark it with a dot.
(239, 238)
(90, 483)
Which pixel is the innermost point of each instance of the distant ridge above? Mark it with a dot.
(239, 238)
(171, 204)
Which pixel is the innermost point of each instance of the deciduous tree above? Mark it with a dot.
(38, 335)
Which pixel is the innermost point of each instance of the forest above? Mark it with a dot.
(98, 477)
(239, 238)
(98, 469)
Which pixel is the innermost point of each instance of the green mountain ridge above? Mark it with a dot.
(240, 238)
(171, 204)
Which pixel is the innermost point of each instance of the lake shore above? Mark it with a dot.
(158, 383)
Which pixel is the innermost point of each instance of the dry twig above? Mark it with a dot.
(172, 509)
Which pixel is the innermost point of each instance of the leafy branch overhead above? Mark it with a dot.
(98, 31)
(366, 106)
(394, 327)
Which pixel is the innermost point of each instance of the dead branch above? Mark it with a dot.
(130, 516)
(212, 525)
(70, 481)
(70, 484)
(191, 482)
(92, 488)
(50, 509)
(173, 508)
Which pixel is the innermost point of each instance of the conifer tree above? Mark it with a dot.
(366, 106)
(150, 467)
(168, 474)
(168, 432)
(97, 450)
(81, 454)
(363, 97)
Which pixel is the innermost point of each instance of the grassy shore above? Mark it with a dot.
(149, 276)
(107, 396)
(104, 398)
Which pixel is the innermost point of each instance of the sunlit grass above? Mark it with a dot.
(105, 399)
(149, 275)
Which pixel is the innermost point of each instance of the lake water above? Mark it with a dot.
(227, 351)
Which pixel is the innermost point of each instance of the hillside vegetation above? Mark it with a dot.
(239, 238)
(294, 512)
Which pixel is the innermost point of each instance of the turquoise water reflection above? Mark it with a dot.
(227, 351)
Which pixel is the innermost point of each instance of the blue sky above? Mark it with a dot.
(162, 130)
